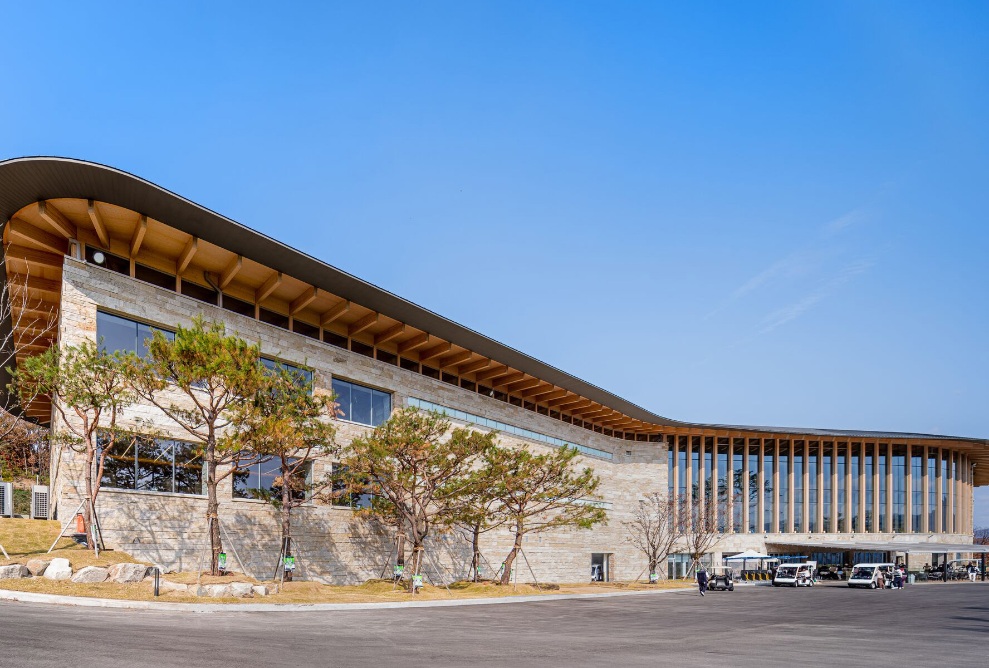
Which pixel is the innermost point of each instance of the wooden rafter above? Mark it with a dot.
(96, 218)
(577, 404)
(455, 358)
(565, 399)
(33, 256)
(24, 231)
(471, 367)
(435, 351)
(305, 299)
(389, 334)
(56, 219)
(362, 324)
(416, 341)
(230, 271)
(185, 257)
(493, 372)
(532, 392)
(549, 395)
(138, 237)
(505, 380)
(523, 384)
(269, 286)
(35, 283)
(335, 312)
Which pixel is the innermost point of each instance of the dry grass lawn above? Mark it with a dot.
(27, 539)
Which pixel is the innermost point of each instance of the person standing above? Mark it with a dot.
(972, 572)
(701, 580)
(897, 578)
(880, 580)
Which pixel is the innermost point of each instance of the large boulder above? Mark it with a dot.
(59, 569)
(259, 590)
(167, 585)
(38, 566)
(90, 574)
(127, 573)
(216, 591)
(241, 589)
(14, 571)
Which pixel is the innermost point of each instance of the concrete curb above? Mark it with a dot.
(83, 601)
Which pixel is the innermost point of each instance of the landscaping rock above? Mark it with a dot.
(59, 569)
(127, 573)
(90, 574)
(38, 566)
(216, 591)
(14, 571)
(259, 590)
(166, 585)
(241, 589)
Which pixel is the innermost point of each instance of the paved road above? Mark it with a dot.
(925, 625)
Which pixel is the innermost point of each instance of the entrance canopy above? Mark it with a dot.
(880, 546)
(747, 555)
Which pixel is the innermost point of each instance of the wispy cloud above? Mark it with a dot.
(807, 302)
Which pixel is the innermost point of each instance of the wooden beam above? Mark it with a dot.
(523, 384)
(96, 218)
(303, 300)
(492, 373)
(24, 231)
(505, 380)
(335, 312)
(550, 396)
(231, 270)
(533, 391)
(471, 367)
(139, 231)
(389, 334)
(435, 351)
(35, 283)
(572, 398)
(33, 256)
(56, 219)
(268, 287)
(590, 412)
(577, 404)
(455, 358)
(186, 256)
(362, 324)
(411, 344)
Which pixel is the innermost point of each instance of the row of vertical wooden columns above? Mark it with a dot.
(951, 484)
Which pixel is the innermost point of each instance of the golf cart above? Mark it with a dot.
(794, 575)
(722, 578)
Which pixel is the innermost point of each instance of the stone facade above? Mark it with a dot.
(333, 544)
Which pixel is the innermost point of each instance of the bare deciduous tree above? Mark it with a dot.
(653, 529)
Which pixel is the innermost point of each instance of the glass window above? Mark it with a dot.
(262, 480)
(798, 486)
(341, 496)
(153, 465)
(360, 404)
(812, 468)
(154, 277)
(117, 334)
(770, 492)
(302, 375)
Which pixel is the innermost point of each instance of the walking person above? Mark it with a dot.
(897, 578)
(972, 572)
(880, 581)
(701, 580)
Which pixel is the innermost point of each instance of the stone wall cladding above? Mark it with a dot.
(334, 544)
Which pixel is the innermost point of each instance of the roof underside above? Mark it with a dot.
(881, 546)
(27, 184)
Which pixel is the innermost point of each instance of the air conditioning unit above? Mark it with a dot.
(6, 499)
(39, 502)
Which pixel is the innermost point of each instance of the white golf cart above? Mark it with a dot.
(867, 575)
(721, 578)
(795, 575)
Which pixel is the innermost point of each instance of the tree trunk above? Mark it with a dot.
(212, 516)
(89, 505)
(286, 522)
(475, 563)
(506, 577)
(653, 563)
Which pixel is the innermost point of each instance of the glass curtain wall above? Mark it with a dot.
(855, 462)
(737, 486)
(798, 485)
(945, 486)
(770, 491)
(932, 489)
(899, 488)
(826, 463)
(754, 491)
(682, 466)
(881, 468)
(839, 512)
(916, 488)
(869, 465)
(812, 468)
(783, 462)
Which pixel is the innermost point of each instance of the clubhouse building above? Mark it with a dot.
(106, 255)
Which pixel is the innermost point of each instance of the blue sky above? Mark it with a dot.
(740, 212)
